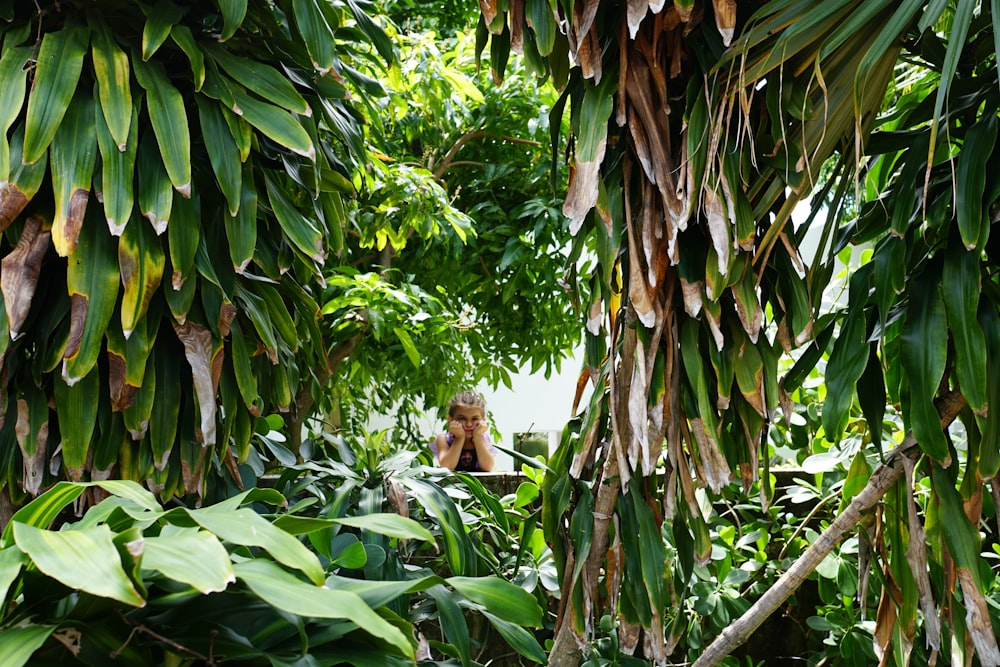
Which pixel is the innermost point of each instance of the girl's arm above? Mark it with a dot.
(484, 453)
(448, 455)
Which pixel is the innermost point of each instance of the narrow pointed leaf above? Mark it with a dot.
(233, 13)
(156, 197)
(971, 173)
(60, 62)
(390, 525)
(183, 38)
(183, 238)
(164, 418)
(924, 354)
(159, 22)
(24, 182)
(241, 228)
(275, 123)
(316, 33)
(14, 74)
(18, 644)
(170, 123)
(246, 380)
(299, 229)
(223, 152)
(961, 286)
(261, 79)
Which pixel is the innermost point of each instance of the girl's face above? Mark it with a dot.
(468, 417)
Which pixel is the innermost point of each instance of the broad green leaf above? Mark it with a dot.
(275, 123)
(141, 259)
(24, 180)
(847, 362)
(390, 525)
(315, 32)
(598, 102)
(519, 639)
(233, 13)
(260, 78)
(77, 408)
(117, 172)
(195, 558)
(83, 559)
(72, 159)
(501, 597)
(539, 16)
(287, 592)
(43, 510)
(247, 528)
(380, 593)
(92, 279)
(246, 380)
(159, 22)
(60, 62)
(255, 309)
(113, 73)
(19, 643)
(457, 546)
(223, 152)
(278, 314)
(959, 533)
(924, 354)
(168, 116)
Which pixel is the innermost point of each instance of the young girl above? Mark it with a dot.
(466, 446)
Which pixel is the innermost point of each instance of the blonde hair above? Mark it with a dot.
(467, 399)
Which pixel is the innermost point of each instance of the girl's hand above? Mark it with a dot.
(481, 428)
(457, 430)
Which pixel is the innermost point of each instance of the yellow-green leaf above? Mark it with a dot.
(73, 156)
(141, 259)
(92, 279)
(113, 73)
(60, 62)
(14, 75)
(159, 22)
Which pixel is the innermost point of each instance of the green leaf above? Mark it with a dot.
(223, 152)
(275, 123)
(233, 13)
(183, 38)
(92, 280)
(519, 639)
(961, 285)
(60, 62)
(302, 233)
(77, 408)
(157, 28)
(141, 259)
(391, 525)
(18, 644)
(83, 559)
(156, 195)
(501, 597)
(193, 557)
(247, 528)
(14, 75)
(408, 347)
(113, 73)
(117, 172)
(260, 78)
(72, 159)
(316, 33)
(457, 545)
(288, 593)
(971, 173)
(168, 116)
(452, 621)
(924, 353)
(11, 561)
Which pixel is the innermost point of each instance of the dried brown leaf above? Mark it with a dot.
(205, 360)
(19, 273)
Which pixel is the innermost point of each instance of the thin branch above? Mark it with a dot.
(884, 478)
(447, 162)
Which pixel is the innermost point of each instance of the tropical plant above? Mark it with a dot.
(488, 542)
(696, 129)
(175, 177)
